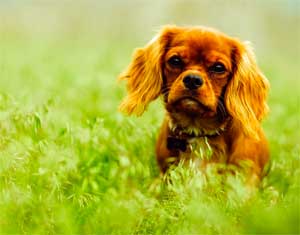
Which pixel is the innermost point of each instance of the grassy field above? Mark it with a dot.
(71, 164)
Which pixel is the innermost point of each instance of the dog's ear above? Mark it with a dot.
(144, 73)
(247, 90)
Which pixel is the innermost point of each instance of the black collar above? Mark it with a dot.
(178, 138)
(174, 143)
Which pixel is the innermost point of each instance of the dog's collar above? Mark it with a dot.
(174, 143)
(178, 138)
(195, 133)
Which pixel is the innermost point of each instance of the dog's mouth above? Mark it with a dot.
(191, 105)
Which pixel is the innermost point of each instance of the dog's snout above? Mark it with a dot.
(192, 81)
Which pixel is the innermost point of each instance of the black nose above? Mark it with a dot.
(192, 81)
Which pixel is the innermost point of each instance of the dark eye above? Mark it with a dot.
(175, 61)
(217, 68)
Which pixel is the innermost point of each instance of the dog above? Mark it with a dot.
(214, 95)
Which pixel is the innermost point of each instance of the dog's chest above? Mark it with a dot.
(198, 148)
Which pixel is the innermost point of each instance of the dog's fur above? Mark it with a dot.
(222, 112)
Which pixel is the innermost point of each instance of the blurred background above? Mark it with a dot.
(272, 25)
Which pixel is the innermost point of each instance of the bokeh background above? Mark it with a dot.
(70, 163)
(271, 25)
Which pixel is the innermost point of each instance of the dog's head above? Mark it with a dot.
(202, 74)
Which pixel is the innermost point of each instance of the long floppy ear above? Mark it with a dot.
(144, 73)
(247, 90)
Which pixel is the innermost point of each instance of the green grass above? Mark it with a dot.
(71, 164)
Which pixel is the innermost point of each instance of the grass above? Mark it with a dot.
(71, 164)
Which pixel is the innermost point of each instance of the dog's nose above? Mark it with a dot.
(192, 81)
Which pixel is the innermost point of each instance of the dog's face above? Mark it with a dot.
(203, 75)
(196, 69)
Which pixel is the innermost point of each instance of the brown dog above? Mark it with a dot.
(214, 95)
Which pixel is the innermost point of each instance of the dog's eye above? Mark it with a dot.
(217, 68)
(175, 61)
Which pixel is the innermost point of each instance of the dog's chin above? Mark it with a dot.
(191, 107)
